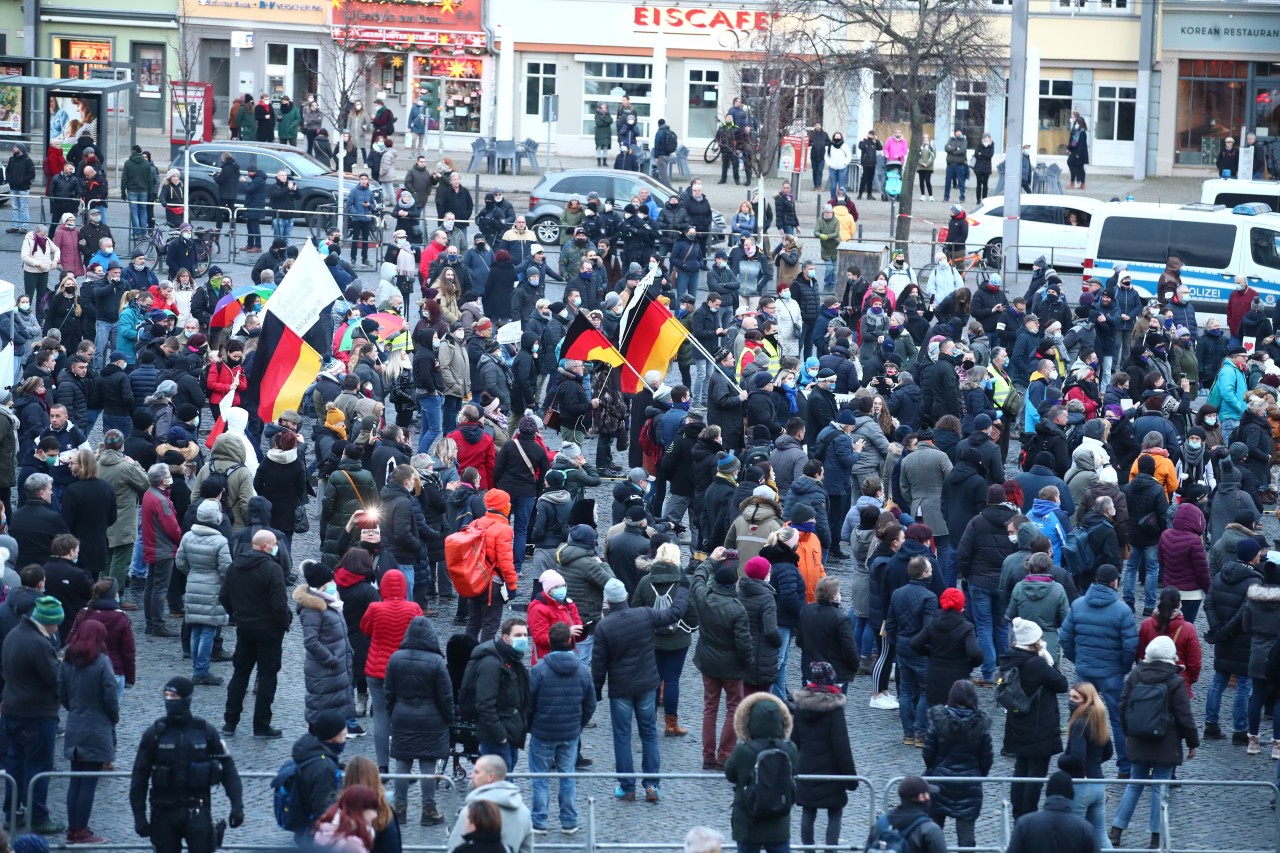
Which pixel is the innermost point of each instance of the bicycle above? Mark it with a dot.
(155, 247)
(322, 221)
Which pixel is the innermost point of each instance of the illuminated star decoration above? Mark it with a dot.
(450, 6)
(458, 69)
(335, 4)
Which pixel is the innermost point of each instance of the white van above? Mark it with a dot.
(1215, 244)
(1230, 192)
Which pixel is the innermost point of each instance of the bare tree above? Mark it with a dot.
(908, 46)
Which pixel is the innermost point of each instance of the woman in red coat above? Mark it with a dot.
(1168, 621)
(385, 624)
(475, 446)
(548, 607)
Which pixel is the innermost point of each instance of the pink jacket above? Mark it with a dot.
(895, 150)
(68, 243)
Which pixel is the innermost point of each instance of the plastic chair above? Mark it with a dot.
(999, 187)
(478, 151)
(528, 150)
(503, 151)
(681, 163)
(1053, 180)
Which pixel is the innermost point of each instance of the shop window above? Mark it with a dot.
(704, 103)
(608, 82)
(891, 110)
(1054, 128)
(800, 95)
(1094, 7)
(1265, 247)
(971, 110)
(1117, 106)
(85, 54)
(1211, 103)
(539, 80)
(462, 106)
(277, 54)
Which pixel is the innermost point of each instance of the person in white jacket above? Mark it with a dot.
(943, 279)
(39, 257)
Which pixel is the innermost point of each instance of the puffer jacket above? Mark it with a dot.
(664, 578)
(809, 491)
(1224, 609)
(204, 557)
(958, 744)
(1165, 751)
(757, 598)
(386, 621)
(228, 458)
(951, 644)
(1042, 600)
(825, 632)
(1183, 562)
(750, 530)
(984, 545)
(501, 692)
(821, 735)
(725, 649)
(585, 574)
(327, 667)
(1097, 622)
(1260, 621)
(787, 582)
(1038, 733)
(761, 722)
(561, 697)
(875, 448)
(419, 695)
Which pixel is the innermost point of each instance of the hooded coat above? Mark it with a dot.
(1098, 623)
(419, 695)
(1229, 501)
(517, 826)
(1042, 600)
(228, 459)
(1082, 475)
(205, 558)
(958, 744)
(758, 518)
(761, 722)
(501, 692)
(385, 622)
(725, 649)
(760, 602)
(965, 486)
(1036, 734)
(327, 667)
(1183, 562)
(1224, 609)
(1164, 751)
(1260, 621)
(822, 737)
(130, 483)
(950, 643)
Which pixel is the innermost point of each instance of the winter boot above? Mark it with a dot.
(137, 591)
(1154, 844)
(1113, 835)
(673, 727)
(362, 704)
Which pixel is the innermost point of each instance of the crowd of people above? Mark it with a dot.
(790, 487)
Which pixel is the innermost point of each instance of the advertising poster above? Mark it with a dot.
(150, 71)
(71, 116)
(11, 103)
(86, 51)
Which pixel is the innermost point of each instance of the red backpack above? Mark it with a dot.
(649, 446)
(464, 557)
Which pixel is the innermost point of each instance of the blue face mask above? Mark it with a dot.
(275, 549)
(560, 593)
(520, 644)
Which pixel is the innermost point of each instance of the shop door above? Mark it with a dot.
(306, 73)
(215, 68)
(1115, 110)
(149, 102)
(539, 80)
(703, 105)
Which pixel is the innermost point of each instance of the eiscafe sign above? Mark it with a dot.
(695, 20)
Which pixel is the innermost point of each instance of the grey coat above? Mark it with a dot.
(873, 453)
(130, 482)
(91, 696)
(204, 557)
(921, 475)
(327, 668)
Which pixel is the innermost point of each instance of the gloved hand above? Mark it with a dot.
(236, 819)
(141, 827)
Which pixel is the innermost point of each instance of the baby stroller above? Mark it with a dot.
(463, 742)
(892, 181)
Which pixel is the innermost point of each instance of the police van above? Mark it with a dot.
(1230, 192)
(1216, 244)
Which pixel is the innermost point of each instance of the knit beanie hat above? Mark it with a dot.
(1060, 784)
(528, 426)
(48, 611)
(615, 592)
(1161, 650)
(1026, 632)
(555, 480)
(181, 685)
(1247, 548)
(953, 599)
(327, 725)
(316, 573)
(550, 579)
(821, 673)
(757, 568)
(726, 575)
(726, 463)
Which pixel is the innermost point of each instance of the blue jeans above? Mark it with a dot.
(583, 649)
(202, 637)
(21, 208)
(282, 226)
(137, 216)
(548, 756)
(1137, 557)
(30, 751)
(863, 635)
(432, 409)
(1239, 707)
(957, 174)
(643, 708)
(120, 422)
(138, 567)
(521, 510)
(102, 340)
(449, 412)
(993, 631)
(410, 572)
(912, 707)
(506, 751)
(1133, 793)
(686, 282)
(837, 178)
(1090, 803)
(1228, 427)
(784, 653)
(1111, 687)
(946, 560)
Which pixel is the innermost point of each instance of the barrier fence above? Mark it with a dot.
(592, 825)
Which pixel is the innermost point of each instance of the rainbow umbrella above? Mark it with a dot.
(389, 325)
(232, 305)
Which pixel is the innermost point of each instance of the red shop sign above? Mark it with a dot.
(678, 18)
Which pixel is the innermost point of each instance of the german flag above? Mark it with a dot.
(584, 342)
(651, 335)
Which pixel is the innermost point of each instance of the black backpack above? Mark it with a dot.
(1011, 695)
(1150, 710)
(771, 792)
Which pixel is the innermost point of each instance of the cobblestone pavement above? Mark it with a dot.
(1202, 818)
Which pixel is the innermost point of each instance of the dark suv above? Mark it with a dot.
(317, 183)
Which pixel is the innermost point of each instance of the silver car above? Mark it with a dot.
(548, 199)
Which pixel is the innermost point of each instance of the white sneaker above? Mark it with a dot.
(884, 702)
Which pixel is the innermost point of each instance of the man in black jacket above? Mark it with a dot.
(318, 754)
(390, 451)
(254, 595)
(495, 691)
(1148, 517)
(909, 609)
(30, 699)
(941, 384)
(572, 403)
(21, 173)
(804, 292)
(707, 327)
(911, 818)
(825, 633)
(623, 655)
(1055, 826)
(396, 522)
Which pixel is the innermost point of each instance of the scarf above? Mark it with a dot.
(38, 241)
(821, 688)
(333, 601)
(792, 406)
(806, 526)
(1194, 459)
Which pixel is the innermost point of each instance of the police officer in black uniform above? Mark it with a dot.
(181, 758)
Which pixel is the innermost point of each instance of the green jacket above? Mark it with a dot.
(1043, 602)
(1183, 364)
(604, 130)
(761, 722)
(246, 121)
(287, 127)
(724, 648)
(828, 233)
(136, 177)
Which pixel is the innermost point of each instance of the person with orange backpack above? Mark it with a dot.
(496, 562)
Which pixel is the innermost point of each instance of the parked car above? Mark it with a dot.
(1047, 229)
(548, 199)
(317, 183)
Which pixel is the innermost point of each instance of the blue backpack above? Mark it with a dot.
(885, 839)
(290, 811)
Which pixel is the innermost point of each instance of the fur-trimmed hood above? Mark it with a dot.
(819, 701)
(762, 715)
(756, 510)
(308, 599)
(959, 723)
(1261, 593)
